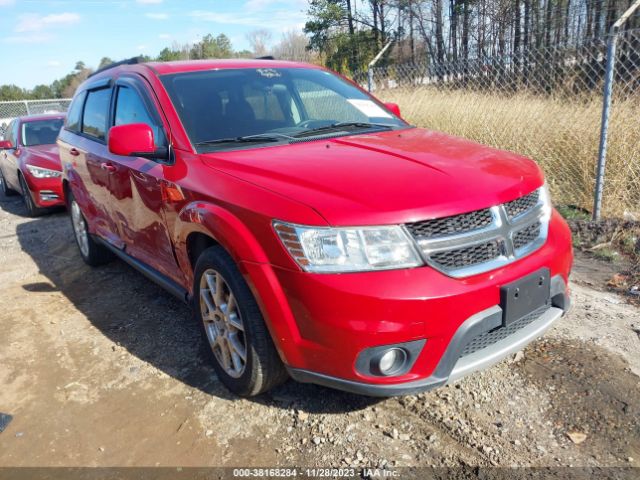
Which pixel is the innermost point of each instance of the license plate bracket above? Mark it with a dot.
(525, 295)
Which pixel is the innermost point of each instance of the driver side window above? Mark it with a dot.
(130, 108)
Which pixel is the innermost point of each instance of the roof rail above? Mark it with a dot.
(266, 57)
(128, 61)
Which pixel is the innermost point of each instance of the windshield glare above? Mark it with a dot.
(281, 102)
(41, 132)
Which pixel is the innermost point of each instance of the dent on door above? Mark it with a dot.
(138, 195)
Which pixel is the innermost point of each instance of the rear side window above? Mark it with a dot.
(75, 113)
(96, 112)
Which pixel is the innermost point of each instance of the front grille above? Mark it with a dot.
(487, 339)
(526, 236)
(468, 256)
(482, 240)
(522, 204)
(456, 224)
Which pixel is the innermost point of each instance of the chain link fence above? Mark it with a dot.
(19, 108)
(544, 103)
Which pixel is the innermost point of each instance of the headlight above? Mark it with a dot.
(323, 250)
(39, 172)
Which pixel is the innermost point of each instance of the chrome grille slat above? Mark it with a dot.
(522, 204)
(515, 229)
(455, 224)
(468, 256)
(527, 235)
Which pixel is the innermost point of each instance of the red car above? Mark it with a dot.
(29, 162)
(316, 234)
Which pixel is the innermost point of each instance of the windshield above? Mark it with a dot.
(241, 108)
(41, 132)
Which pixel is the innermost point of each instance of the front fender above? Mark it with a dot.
(221, 225)
(232, 234)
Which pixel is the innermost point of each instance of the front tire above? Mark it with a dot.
(244, 357)
(91, 251)
(32, 209)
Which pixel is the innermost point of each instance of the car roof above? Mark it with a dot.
(162, 68)
(181, 66)
(41, 116)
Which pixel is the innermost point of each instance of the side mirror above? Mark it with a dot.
(133, 140)
(5, 145)
(394, 108)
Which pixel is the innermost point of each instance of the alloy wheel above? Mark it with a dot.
(223, 323)
(80, 228)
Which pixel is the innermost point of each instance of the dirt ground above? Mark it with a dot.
(99, 367)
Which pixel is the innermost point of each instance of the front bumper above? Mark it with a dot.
(321, 323)
(452, 365)
(46, 192)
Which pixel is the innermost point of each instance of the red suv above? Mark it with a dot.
(29, 162)
(316, 234)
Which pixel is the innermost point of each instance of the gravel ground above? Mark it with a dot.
(99, 367)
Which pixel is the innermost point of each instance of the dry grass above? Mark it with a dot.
(563, 136)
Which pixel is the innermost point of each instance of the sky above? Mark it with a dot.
(41, 40)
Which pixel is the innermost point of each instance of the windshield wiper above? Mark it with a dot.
(260, 138)
(339, 125)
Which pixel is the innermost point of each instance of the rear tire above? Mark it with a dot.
(243, 353)
(92, 252)
(4, 187)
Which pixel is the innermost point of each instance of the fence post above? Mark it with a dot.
(26, 107)
(604, 127)
(606, 107)
(372, 64)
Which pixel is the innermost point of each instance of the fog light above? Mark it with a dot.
(48, 196)
(392, 361)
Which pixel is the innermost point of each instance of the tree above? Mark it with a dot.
(333, 34)
(12, 92)
(212, 47)
(258, 40)
(105, 61)
(41, 92)
(167, 55)
(293, 46)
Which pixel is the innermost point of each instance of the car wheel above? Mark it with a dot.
(4, 187)
(32, 209)
(91, 251)
(244, 356)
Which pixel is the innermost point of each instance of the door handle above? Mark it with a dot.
(74, 152)
(108, 167)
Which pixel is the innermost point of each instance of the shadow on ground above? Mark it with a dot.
(148, 322)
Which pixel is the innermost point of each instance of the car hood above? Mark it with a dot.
(385, 178)
(45, 156)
